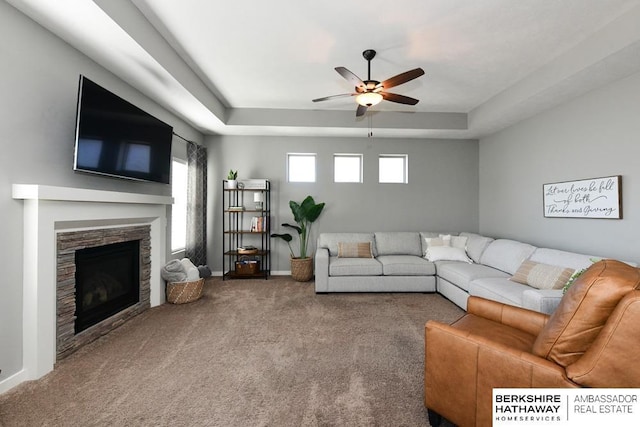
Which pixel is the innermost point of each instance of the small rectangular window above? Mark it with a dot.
(301, 167)
(393, 168)
(179, 208)
(347, 168)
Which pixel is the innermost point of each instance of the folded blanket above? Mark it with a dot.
(204, 270)
(190, 269)
(174, 271)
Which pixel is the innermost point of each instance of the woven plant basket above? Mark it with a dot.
(183, 292)
(302, 269)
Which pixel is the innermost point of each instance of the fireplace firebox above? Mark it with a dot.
(107, 281)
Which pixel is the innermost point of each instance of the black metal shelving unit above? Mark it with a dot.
(239, 229)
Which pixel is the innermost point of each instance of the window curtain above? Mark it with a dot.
(196, 246)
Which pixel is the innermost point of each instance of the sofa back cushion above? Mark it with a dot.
(563, 258)
(330, 241)
(398, 243)
(612, 359)
(584, 310)
(476, 244)
(506, 255)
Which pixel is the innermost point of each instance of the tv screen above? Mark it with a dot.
(116, 138)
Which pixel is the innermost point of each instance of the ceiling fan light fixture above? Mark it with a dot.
(368, 99)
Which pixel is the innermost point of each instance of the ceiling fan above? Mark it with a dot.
(371, 92)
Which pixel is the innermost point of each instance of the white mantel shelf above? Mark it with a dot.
(48, 192)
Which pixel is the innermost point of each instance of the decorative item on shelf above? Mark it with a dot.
(254, 184)
(247, 250)
(304, 214)
(258, 224)
(258, 199)
(247, 266)
(232, 179)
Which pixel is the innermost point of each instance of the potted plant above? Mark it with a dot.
(232, 182)
(304, 214)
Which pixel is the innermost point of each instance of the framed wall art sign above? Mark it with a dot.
(586, 198)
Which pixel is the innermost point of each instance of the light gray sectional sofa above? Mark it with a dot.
(398, 265)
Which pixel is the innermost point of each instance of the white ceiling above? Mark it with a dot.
(253, 67)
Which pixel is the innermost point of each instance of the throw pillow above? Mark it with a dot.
(584, 310)
(354, 250)
(446, 253)
(541, 276)
(436, 241)
(455, 241)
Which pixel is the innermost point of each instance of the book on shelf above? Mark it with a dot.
(236, 208)
(259, 223)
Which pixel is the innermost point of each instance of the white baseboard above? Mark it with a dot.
(12, 381)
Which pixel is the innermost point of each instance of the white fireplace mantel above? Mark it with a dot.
(49, 210)
(48, 192)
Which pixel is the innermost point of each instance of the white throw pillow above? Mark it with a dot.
(436, 241)
(446, 253)
(455, 241)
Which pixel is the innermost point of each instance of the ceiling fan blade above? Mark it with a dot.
(342, 95)
(400, 99)
(350, 77)
(361, 110)
(402, 78)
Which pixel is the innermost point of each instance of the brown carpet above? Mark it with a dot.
(248, 353)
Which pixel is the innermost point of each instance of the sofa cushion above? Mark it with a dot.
(506, 255)
(562, 258)
(355, 250)
(331, 240)
(406, 265)
(462, 273)
(476, 244)
(499, 289)
(542, 276)
(354, 267)
(398, 243)
(584, 310)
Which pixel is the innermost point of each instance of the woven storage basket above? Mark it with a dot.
(183, 292)
(301, 269)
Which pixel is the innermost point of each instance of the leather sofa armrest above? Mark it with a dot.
(322, 270)
(523, 319)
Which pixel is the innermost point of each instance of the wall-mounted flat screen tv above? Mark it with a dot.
(116, 138)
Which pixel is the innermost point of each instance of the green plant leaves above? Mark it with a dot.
(304, 214)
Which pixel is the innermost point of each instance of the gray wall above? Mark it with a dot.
(593, 136)
(442, 193)
(39, 83)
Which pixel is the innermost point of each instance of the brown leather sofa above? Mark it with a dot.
(591, 340)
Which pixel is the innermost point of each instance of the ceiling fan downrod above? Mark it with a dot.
(369, 54)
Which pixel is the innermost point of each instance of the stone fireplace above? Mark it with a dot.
(102, 281)
(86, 218)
